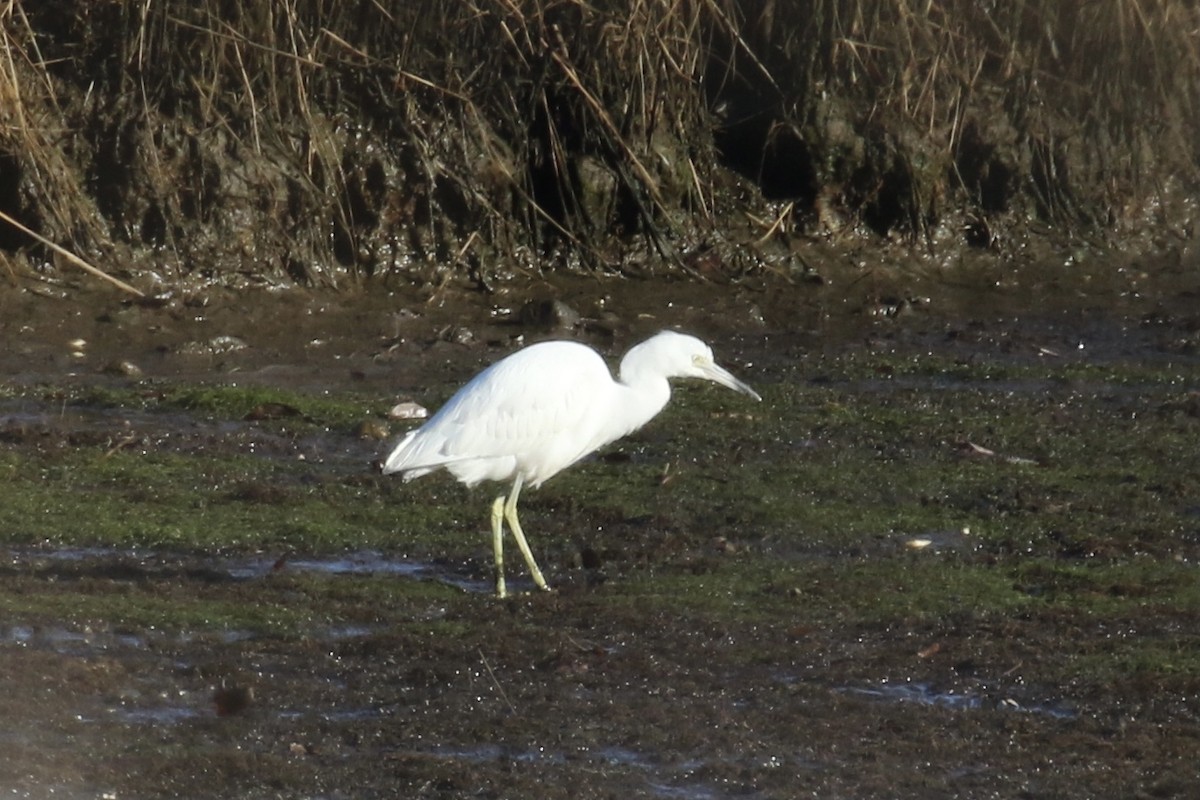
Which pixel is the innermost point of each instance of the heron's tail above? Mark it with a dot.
(407, 457)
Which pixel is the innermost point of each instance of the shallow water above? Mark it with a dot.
(926, 694)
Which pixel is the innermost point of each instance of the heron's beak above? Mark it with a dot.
(721, 375)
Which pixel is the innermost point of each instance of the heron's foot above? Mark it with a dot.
(538, 580)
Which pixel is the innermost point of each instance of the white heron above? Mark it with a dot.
(541, 409)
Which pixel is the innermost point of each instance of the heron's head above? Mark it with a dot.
(678, 355)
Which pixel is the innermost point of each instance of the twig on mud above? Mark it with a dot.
(777, 224)
(122, 444)
(975, 450)
(74, 259)
(580, 646)
(462, 251)
(495, 682)
(1012, 670)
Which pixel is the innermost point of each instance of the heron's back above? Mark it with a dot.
(535, 412)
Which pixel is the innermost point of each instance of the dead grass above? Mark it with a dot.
(323, 142)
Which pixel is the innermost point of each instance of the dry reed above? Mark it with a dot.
(320, 141)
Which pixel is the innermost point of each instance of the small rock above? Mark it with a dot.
(214, 346)
(553, 314)
(372, 429)
(123, 367)
(457, 334)
(408, 410)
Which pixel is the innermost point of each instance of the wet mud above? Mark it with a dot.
(953, 554)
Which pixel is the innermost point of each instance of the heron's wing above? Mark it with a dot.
(535, 410)
(528, 403)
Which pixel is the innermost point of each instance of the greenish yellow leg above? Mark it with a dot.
(510, 514)
(498, 544)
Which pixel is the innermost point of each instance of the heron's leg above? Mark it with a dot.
(510, 514)
(498, 544)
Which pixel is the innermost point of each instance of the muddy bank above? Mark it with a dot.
(324, 146)
(836, 292)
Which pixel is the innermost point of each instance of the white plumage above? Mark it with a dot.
(541, 409)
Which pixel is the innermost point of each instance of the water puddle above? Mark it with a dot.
(161, 716)
(484, 753)
(683, 792)
(338, 633)
(120, 565)
(363, 563)
(127, 563)
(927, 694)
(66, 641)
(360, 563)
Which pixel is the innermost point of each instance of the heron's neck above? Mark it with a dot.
(642, 392)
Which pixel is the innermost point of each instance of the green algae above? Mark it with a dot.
(228, 400)
(123, 592)
(92, 607)
(1037, 488)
